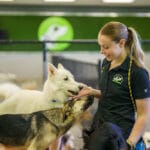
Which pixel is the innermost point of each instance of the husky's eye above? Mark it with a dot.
(66, 78)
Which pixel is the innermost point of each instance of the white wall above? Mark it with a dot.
(29, 65)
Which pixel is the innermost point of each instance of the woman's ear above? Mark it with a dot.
(122, 42)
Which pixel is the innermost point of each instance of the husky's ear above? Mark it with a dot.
(60, 66)
(51, 69)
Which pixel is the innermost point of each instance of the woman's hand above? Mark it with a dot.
(85, 91)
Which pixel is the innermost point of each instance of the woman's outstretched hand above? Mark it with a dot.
(85, 91)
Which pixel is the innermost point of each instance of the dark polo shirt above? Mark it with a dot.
(115, 104)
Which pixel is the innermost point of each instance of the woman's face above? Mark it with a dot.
(109, 48)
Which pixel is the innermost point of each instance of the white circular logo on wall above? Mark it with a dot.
(55, 28)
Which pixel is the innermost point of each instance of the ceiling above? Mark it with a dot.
(77, 3)
(78, 7)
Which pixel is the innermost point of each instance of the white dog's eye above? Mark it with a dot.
(66, 78)
(54, 100)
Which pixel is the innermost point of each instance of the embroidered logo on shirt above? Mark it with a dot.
(118, 78)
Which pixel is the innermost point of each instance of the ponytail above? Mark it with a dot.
(134, 46)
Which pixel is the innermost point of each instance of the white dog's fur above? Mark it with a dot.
(7, 89)
(59, 85)
(146, 138)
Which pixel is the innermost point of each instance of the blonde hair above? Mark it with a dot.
(117, 31)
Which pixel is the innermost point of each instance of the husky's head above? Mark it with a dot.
(71, 111)
(65, 117)
(61, 82)
(78, 106)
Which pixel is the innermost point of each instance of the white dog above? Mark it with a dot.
(59, 85)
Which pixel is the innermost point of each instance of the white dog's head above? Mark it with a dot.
(61, 82)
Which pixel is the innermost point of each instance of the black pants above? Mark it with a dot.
(106, 136)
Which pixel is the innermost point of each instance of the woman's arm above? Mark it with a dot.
(143, 116)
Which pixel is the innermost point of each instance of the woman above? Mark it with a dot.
(124, 85)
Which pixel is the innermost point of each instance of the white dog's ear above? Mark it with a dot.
(51, 69)
(60, 66)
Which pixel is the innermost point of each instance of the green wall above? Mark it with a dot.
(26, 27)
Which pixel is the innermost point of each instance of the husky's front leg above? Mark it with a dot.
(32, 145)
(66, 124)
(39, 143)
(46, 135)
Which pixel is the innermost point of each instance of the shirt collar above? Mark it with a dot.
(125, 64)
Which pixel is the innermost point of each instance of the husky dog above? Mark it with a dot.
(59, 85)
(39, 129)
